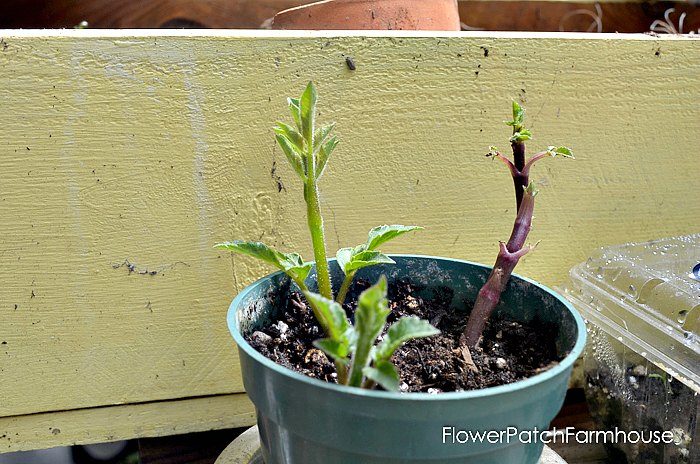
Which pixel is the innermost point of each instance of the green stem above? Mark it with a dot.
(343, 292)
(342, 372)
(313, 213)
(356, 374)
(315, 221)
(359, 362)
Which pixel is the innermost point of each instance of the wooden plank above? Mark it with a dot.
(126, 155)
(492, 15)
(112, 423)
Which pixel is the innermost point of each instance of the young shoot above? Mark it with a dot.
(510, 252)
(354, 346)
(358, 361)
(353, 259)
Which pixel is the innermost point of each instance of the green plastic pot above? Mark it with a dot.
(307, 421)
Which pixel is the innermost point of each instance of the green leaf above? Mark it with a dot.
(339, 351)
(321, 135)
(372, 310)
(560, 151)
(366, 258)
(323, 154)
(299, 273)
(518, 113)
(383, 373)
(295, 109)
(256, 249)
(344, 256)
(295, 158)
(370, 318)
(521, 136)
(405, 329)
(308, 112)
(518, 117)
(352, 259)
(336, 320)
(291, 133)
(531, 189)
(290, 263)
(382, 234)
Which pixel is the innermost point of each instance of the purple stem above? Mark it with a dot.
(520, 177)
(510, 252)
(508, 257)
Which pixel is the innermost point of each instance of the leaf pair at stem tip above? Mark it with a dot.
(307, 149)
(353, 258)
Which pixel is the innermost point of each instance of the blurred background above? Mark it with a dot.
(490, 15)
(122, 452)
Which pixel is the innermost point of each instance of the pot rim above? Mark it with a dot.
(540, 378)
(302, 7)
(306, 6)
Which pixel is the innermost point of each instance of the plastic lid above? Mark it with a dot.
(647, 296)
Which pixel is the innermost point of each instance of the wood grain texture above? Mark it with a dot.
(125, 156)
(112, 423)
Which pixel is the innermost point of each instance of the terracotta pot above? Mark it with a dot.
(417, 15)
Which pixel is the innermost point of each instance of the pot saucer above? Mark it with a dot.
(246, 450)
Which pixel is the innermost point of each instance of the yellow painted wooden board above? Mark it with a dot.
(125, 155)
(112, 423)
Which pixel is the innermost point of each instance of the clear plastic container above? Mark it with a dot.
(641, 302)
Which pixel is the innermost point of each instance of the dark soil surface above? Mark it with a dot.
(508, 352)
